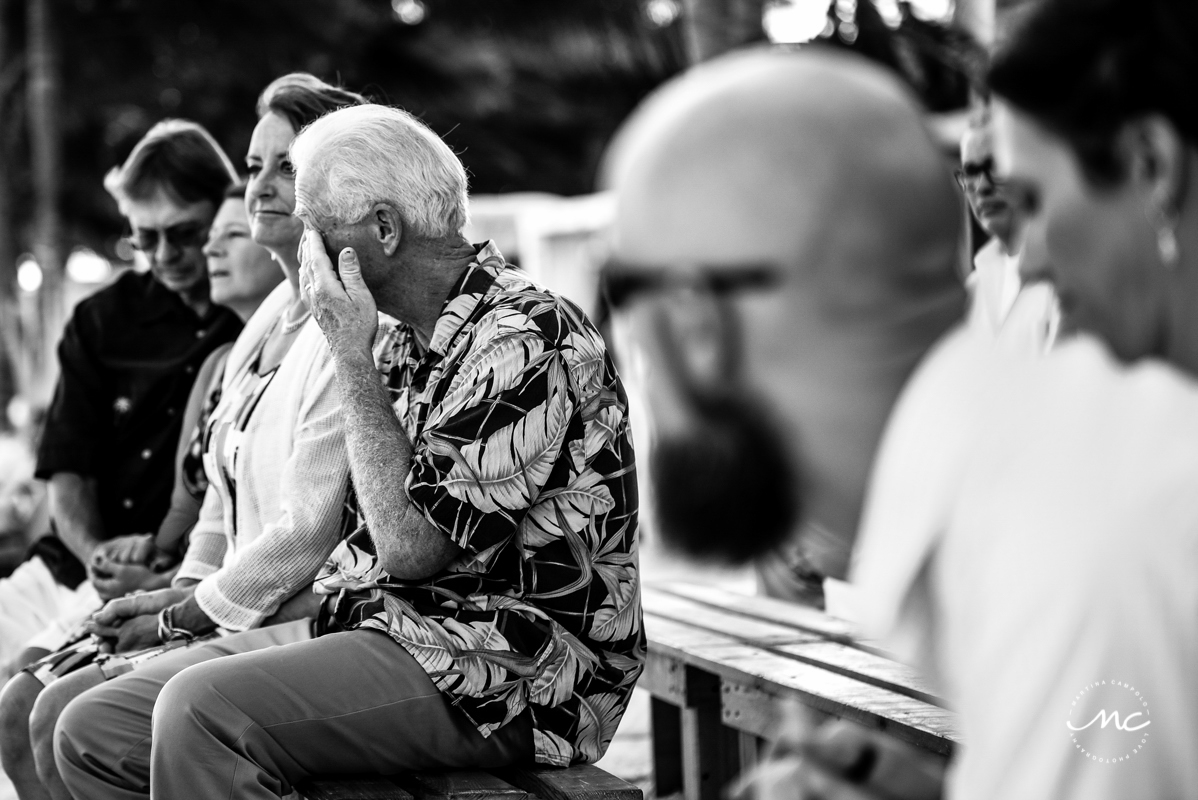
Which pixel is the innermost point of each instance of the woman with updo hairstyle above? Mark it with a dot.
(1031, 536)
(287, 105)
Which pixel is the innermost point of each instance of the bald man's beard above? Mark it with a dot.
(726, 490)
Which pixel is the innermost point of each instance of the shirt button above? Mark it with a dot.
(170, 412)
(200, 334)
(189, 369)
(127, 503)
(146, 453)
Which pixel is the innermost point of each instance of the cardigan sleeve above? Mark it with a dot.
(208, 543)
(285, 557)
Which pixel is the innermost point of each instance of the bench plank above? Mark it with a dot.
(461, 785)
(864, 665)
(749, 666)
(670, 679)
(585, 782)
(375, 788)
(663, 604)
(792, 615)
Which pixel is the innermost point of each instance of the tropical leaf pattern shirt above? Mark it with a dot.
(522, 455)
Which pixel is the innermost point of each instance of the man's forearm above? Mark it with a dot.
(76, 513)
(380, 456)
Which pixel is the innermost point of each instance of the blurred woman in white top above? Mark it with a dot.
(1031, 537)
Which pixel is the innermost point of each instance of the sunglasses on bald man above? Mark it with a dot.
(621, 282)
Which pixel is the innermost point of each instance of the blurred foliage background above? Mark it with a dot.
(528, 92)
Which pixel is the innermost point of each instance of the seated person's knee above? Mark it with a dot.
(47, 709)
(184, 696)
(16, 704)
(77, 725)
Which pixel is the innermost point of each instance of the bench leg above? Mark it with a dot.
(710, 754)
(749, 747)
(666, 728)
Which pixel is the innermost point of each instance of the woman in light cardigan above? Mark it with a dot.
(272, 511)
(273, 452)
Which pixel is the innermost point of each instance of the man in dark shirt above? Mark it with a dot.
(128, 357)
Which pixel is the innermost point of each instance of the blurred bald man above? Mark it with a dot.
(786, 233)
(786, 240)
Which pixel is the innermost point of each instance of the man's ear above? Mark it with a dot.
(388, 227)
(1157, 160)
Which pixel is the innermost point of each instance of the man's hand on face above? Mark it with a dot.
(338, 298)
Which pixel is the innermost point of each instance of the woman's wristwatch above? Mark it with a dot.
(168, 631)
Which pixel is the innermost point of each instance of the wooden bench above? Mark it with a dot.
(512, 783)
(721, 664)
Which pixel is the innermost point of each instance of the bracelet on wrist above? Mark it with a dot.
(168, 631)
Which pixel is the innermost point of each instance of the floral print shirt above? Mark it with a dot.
(522, 455)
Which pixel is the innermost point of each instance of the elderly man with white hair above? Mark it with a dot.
(487, 612)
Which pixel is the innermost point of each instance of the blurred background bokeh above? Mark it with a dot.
(528, 92)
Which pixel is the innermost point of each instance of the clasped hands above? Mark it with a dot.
(127, 564)
(131, 622)
(337, 297)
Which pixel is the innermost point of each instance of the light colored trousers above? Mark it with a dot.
(252, 714)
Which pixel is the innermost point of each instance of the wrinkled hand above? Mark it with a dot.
(117, 580)
(338, 298)
(137, 634)
(134, 548)
(844, 761)
(109, 620)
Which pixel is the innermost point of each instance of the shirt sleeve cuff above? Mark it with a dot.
(225, 612)
(194, 571)
(52, 460)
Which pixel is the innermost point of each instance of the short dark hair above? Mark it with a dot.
(301, 99)
(1084, 68)
(179, 157)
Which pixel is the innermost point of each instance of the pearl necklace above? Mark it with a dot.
(289, 327)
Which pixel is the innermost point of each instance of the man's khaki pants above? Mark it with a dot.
(251, 715)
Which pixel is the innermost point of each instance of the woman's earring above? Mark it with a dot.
(1166, 238)
(1166, 243)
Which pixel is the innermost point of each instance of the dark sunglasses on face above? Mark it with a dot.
(621, 282)
(972, 171)
(181, 237)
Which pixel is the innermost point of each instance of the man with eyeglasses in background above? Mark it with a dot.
(128, 358)
(1021, 317)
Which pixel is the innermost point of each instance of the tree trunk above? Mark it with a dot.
(10, 331)
(43, 88)
(717, 26)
